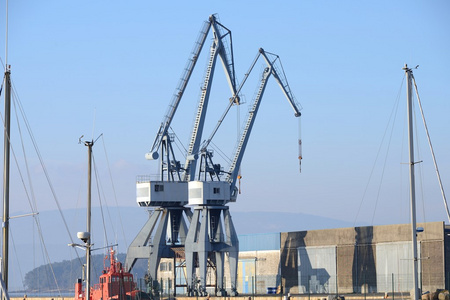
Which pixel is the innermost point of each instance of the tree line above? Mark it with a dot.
(62, 276)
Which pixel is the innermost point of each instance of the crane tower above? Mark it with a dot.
(211, 231)
(167, 228)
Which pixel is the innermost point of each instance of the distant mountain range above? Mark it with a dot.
(264, 222)
(122, 225)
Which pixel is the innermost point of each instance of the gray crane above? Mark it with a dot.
(190, 209)
(208, 236)
(166, 227)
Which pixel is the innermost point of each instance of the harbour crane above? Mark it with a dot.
(209, 196)
(179, 187)
(168, 195)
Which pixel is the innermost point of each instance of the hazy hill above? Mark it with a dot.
(67, 272)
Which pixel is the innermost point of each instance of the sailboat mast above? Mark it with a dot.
(6, 160)
(408, 72)
(88, 225)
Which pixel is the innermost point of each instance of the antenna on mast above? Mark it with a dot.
(93, 124)
(6, 38)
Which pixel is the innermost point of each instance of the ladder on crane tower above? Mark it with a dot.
(203, 96)
(254, 108)
(181, 87)
(217, 49)
(281, 79)
(198, 45)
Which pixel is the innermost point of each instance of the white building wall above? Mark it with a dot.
(395, 266)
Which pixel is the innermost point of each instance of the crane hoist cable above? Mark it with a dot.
(300, 155)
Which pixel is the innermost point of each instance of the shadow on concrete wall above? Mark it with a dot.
(311, 280)
(289, 259)
(364, 269)
(300, 274)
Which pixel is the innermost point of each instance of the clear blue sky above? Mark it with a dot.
(119, 62)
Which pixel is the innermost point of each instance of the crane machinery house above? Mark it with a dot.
(209, 192)
(161, 193)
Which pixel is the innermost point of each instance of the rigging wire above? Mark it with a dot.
(382, 173)
(221, 153)
(114, 192)
(101, 194)
(97, 181)
(179, 145)
(418, 155)
(18, 107)
(17, 259)
(1, 87)
(44, 168)
(421, 183)
(31, 202)
(393, 113)
(431, 149)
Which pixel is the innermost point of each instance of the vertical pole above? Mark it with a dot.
(253, 287)
(365, 285)
(408, 72)
(337, 292)
(6, 159)
(256, 288)
(175, 275)
(88, 221)
(420, 268)
(309, 290)
(356, 268)
(7, 126)
(393, 287)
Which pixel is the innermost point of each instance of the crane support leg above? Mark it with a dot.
(140, 247)
(203, 248)
(233, 249)
(220, 273)
(163, 240)
(207, 239)
(189, 253)
(159, 245)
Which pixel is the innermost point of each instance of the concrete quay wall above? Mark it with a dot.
(263, 297)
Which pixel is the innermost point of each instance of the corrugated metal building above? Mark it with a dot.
(358, 260)
(259, 263)
(372, 259)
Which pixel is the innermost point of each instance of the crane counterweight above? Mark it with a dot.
(151, 155)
